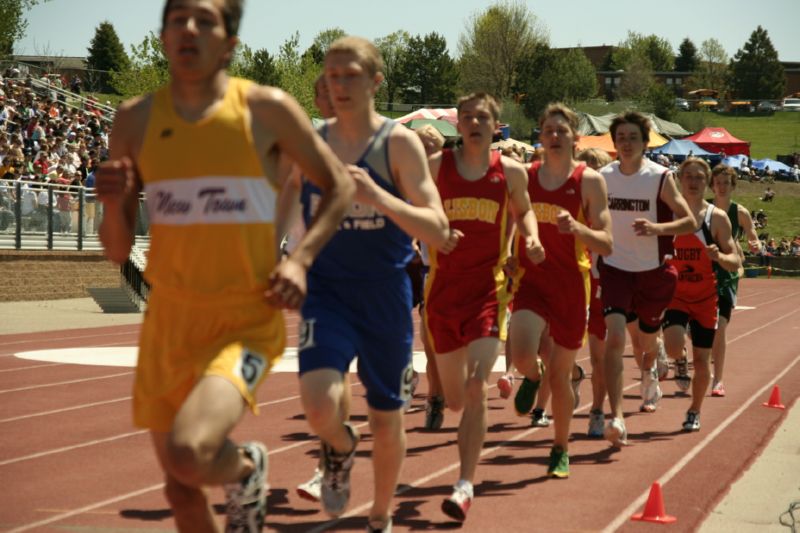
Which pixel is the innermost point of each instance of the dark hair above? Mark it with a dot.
(231, 15)
(631, 117)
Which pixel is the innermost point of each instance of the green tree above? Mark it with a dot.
(755, 70)
(258, 66)
(322, 42)
(106, 55)
(393, 48)
(297, 73)
(12, 23)
(655, 50)
(147, 71)
(712, 68)
(548, 75)
(686, 61)
(494, 42)
(637, 79)
(661, 101)
(429, 70)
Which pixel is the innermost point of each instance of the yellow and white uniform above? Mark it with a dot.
(212, 247)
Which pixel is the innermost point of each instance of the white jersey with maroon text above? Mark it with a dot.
(631, 197)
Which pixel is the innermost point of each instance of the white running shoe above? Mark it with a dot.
(692, 422)
(540, 419)
(596, 423)
(380, 529)
(311, 489)
(457, 505)
(616, 433)
(651, 391)
(246, 501)
(335, 491)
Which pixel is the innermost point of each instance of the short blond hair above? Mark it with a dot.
(491, 101)
(367, 53)
(700, 163)
(558, 108)
(595, 158)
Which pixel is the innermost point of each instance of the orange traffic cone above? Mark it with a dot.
(775, 399)
(654, 508)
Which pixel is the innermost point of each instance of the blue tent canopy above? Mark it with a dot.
(775, 166)
(681, 149)
(734, 161)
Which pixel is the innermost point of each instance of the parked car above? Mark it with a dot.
(682, 104)
(766, 105)
(791, 104)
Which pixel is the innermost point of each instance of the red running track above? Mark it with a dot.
(71, 460)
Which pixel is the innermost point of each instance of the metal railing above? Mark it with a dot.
(50, 216)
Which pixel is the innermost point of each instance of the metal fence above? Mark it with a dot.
(50, 216)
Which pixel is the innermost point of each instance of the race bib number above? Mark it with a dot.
(306, 339)
(407, 386)
(250, 367)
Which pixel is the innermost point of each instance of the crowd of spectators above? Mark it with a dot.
(48, 143)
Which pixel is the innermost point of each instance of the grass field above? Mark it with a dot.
(783, 213)
(768, 135)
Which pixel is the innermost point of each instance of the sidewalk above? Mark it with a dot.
(755, 503)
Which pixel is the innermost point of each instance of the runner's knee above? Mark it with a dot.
(476, 391)
(183, 498)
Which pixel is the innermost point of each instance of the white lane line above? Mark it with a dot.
(366, 505)
(86, 509)
(116, 437)
(35, 387)
(65, 337)
(33, 367)
(73, 447)
(625, 515)
(63, 410)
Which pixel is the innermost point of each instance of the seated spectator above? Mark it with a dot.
(783, 246)
(769, 195)
(760, 219)
(794, 249)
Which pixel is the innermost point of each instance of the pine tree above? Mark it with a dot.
(106, 54)
(756, 72)
(686, 60)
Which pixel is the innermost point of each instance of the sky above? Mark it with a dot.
(65, 27)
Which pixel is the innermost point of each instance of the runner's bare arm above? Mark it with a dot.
(746, 223)
(683, 221)
(422, 216)
(596, 234)
(287, 130)
(520, 204)
(288, 208)
(281, 127)
(117, 182)
(725, 252)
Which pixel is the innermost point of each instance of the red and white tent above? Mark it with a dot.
(441, 113)
(716, 140)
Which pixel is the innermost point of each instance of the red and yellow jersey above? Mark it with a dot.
(479, 209)
(696, 278)
(563, 252)
(211, 210)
